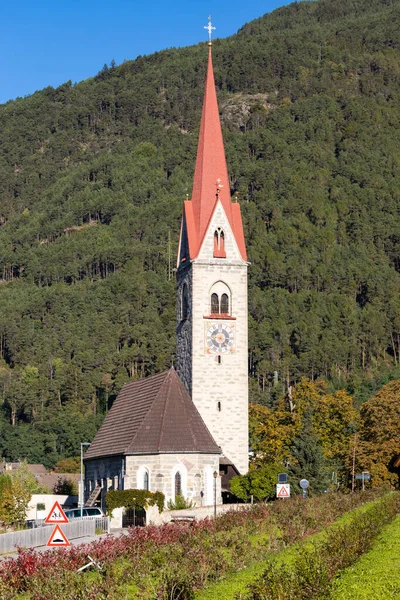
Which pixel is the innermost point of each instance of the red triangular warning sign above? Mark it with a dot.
(58, 538)
(56, 515)
(283, 492)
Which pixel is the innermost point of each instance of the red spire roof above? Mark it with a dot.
(211, 173)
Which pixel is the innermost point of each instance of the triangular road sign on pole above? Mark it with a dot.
(282, 490)
(56, 515)
(58, 538)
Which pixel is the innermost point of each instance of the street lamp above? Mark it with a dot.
(215, 494)
(81, 495)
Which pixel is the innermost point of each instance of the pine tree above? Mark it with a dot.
(309, 462)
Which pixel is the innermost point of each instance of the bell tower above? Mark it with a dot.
(212, 291)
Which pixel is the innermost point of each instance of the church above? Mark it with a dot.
(184, 431)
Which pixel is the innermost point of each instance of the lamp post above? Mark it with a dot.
(215, 494)
(81, 494)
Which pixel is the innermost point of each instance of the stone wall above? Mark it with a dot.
(153, 517)
(126, 473)
(196, 475)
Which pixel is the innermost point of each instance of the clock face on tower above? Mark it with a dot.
(220, 338)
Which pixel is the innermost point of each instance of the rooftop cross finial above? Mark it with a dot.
(210, 29)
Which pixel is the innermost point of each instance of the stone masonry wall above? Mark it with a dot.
(126, 473)
(196, 475)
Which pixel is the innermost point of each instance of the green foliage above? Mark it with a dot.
(25, 478)
(14, 499)
(308, 460)
(134, 499)
(180, 503)
(371, 576)
(311, 572)
(68, 465)
(259, 483)
(65, 486)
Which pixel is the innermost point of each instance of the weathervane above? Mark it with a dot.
(210, 29)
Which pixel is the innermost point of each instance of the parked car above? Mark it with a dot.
(88, 512)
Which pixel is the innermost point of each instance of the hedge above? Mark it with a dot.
(134, 499)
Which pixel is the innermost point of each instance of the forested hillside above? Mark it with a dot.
(92, 180)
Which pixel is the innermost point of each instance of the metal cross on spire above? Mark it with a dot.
(210, 29)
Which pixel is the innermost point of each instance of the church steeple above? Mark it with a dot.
(211, 353)
(211, 180)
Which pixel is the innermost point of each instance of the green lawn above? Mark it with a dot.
(376, 576)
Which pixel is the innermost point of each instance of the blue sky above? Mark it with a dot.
(48, 42)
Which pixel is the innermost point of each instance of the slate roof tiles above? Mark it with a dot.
(151, 416)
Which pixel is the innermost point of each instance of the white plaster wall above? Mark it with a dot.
(48, 500)
(116, 519)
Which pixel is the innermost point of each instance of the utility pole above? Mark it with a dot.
(353, 474)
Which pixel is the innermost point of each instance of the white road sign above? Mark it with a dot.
(282, 490)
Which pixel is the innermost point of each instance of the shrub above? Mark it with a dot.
(259, 483)
(180, 503)
(134, 499)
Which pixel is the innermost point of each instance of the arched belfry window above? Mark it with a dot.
(185, 302)
(219, 243)
(225, 304)
(220, 300)
(178, 484)
(214, 304)
(146, 480)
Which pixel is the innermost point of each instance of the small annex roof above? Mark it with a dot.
(153, 415)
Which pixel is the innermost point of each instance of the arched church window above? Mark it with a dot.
(146, 480)
(219, 243)
(178, 484)
(185, 302)
(221, 240)
(225, 304)
(214, 304)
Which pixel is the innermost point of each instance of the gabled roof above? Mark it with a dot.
(153, 415)
(210, 168)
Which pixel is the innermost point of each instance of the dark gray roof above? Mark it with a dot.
(151, 416)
